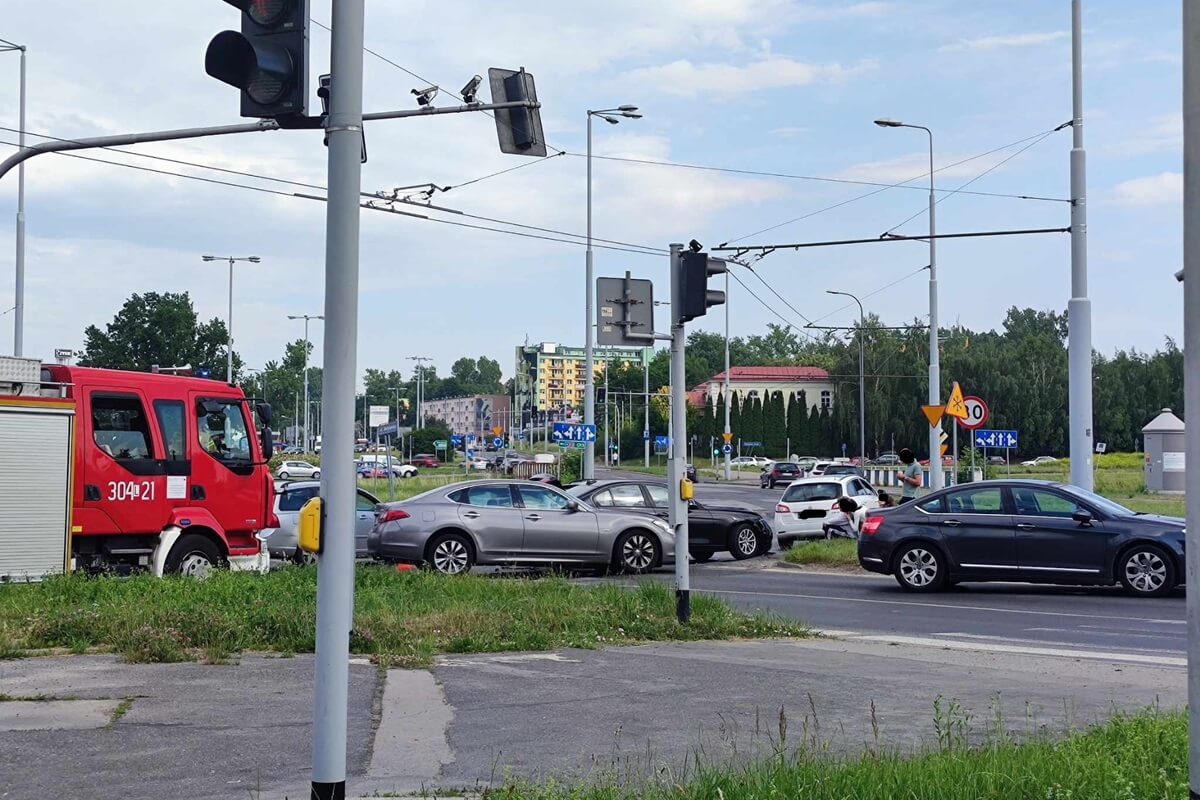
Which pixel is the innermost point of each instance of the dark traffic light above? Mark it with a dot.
(695, 268)
(268, 60)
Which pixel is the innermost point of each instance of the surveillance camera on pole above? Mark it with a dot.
(267, 60)
(470, 92)
(425, 96)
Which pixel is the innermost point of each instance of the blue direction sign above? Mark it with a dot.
(470, 454)
(566, 432)
(662, 441)
(1006, 440)
(498, 442)
(470, 438)
(456, 440)
(727, 449)
(521, 436)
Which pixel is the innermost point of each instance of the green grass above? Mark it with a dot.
(401, 618)
(410, 487)
(824, 552)
(1140, 757)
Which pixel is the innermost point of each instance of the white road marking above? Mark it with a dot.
(1059, 652)
(515, 658)
(1098, 631)
(934, 605)
(1043, 642)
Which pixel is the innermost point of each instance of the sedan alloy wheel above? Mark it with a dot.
(638, 551)
(451, 555)
(919, 569)
(1146, 572)
(744, 541)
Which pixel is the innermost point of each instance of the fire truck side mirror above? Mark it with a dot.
(265, 414)
(312, 515)
(268, 443)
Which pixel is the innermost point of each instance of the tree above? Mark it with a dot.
(795, 424)
(735, 418)
(159, 329)
(775, 425)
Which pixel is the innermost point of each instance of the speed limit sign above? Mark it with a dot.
(977, 413)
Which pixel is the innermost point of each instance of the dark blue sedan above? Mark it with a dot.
(1023, 530)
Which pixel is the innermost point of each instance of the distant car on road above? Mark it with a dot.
(297, 469)
(548, 478)
(779, 472)
(711, 528)
(807, 502)
(997, 461)
(842, 469)
(886, 460)
(1023, 530)
(749, 462)
(455, 527)
(373, 471)
(426, 460)
(690, 473)
(281, 541)
(1039, 461)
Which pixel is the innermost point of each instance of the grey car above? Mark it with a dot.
(455, 527)
(291, 497)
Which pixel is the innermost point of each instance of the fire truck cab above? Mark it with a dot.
(169, 473)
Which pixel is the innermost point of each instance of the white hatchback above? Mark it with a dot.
(292, 470)
(807, 503)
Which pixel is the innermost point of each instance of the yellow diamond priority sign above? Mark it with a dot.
(728, 437)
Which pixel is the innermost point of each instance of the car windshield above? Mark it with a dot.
(1103, 503)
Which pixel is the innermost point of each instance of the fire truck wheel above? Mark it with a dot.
(193, 556)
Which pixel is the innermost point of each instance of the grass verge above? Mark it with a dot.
(824, 552)
(402, 619)
(1129, 758)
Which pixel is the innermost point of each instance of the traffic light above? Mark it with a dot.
(695, 268)
(268, 60)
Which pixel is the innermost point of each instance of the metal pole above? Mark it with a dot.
(589, 387)
(936, 476)
(229, 331)
(728, 399)
(307, 437)
(19, 301)
(335, 575)
(607, 443)
(1079, 307)
(646, 395)
(1191, 371)
(677, 466)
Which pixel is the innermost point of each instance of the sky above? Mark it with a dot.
(750, 86)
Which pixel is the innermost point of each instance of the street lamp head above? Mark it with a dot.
(889, 123)
(627, 108)
(609, 120)
(631, 115)
(254, 259)
(209, 258)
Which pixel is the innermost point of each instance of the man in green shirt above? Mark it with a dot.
(911, 477)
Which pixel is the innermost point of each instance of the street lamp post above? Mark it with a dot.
(936, 476)
(229, 322)
(420, 422)
(609, 115)
(728, 400)
(862, 378)
(19, 289)
(306, 318)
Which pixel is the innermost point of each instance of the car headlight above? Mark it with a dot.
(662, 526)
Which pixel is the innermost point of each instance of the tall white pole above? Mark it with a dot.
(728, 399)
(677, 466)
(19, 300)
(936, 475)
(307, 418)
(646, 397)
(1191, 371)
(589, 378)
(229, 332)
(1079, 308)
(335, 572)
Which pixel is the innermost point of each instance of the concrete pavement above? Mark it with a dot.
(242, 730)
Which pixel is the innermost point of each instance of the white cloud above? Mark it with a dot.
(687, 79)
(985, 43)
(909, 167)
(787, 132)
(1152, 190)
(1164, 132)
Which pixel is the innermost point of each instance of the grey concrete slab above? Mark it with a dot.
(56, 715)
(193, 730)
(634, 712)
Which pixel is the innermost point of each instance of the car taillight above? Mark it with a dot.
(834, 507)
(782, 509)
(871, 526)
(393, 515)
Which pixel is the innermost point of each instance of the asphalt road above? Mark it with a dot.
(1001, 615)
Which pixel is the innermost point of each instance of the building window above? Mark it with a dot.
(826, 399)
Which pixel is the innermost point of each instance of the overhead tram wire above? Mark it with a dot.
(630, 248)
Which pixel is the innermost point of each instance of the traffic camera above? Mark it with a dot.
(268, 60)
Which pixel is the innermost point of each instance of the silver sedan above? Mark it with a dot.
(455, 527)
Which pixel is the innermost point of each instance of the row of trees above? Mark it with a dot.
(1020, 370)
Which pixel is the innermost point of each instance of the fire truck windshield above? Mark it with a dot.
(223, 432)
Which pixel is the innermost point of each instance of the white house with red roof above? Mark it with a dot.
(751, 382)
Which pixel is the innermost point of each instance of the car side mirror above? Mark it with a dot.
(1082, 517)
(572, 505)
(265, 414)
(268, 443)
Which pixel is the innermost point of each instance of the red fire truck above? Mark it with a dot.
(169, 476)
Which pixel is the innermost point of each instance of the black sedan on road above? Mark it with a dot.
(742, 532)
(1023, 530)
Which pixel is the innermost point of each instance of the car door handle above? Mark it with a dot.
(1025, 526)
(470, 514)
(951, 523)
(534, 517)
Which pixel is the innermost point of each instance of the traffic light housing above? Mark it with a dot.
(695, 268)
(268, 60)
